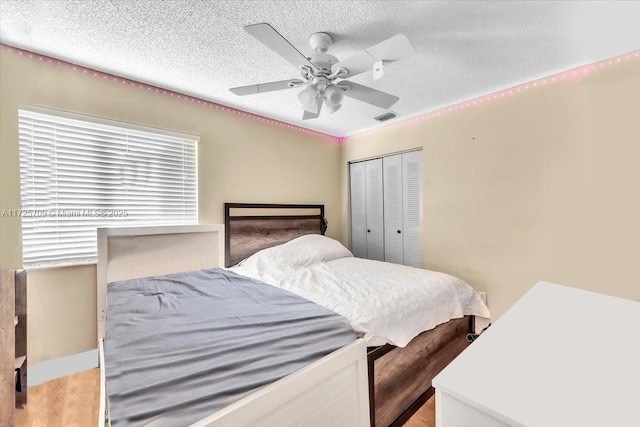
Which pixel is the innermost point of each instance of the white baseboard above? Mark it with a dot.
(57, 368)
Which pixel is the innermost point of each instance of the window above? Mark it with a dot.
(78, 173)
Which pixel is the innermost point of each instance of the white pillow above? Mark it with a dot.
(301, 251)
(312, 249)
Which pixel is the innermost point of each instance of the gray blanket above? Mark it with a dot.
(182, 346)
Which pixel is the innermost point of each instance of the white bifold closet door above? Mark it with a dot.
(374, 209)
(403, 208)
(367, 209)
(393, 208)
(412, 208)
(386, 209)
(358, 210)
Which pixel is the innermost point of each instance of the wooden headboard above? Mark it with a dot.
(251, 227)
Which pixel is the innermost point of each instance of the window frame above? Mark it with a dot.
(123, 127)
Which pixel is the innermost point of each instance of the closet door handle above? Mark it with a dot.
(399, 231)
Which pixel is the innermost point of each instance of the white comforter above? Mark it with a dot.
(387, 303)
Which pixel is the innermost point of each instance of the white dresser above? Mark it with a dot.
(559, 357)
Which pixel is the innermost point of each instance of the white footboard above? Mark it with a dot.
(103, 417)
(332, 391)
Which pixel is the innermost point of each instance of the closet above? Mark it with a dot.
(386, 208)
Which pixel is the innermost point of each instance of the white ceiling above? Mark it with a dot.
(463, 49)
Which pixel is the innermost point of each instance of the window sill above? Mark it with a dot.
(56, 266)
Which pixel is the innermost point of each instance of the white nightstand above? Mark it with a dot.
(559, 357)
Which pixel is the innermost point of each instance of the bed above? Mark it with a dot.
(399, 375)
(155, 276)
(381, 385)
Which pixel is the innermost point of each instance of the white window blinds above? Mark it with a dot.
(78, 174)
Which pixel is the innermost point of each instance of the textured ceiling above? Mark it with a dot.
(463, 49)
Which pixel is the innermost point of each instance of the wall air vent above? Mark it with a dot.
(386, 116)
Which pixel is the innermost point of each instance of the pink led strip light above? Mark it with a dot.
(554, 78)
(573, 73)
(166, 92)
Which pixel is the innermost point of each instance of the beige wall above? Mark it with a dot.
(542, 185)
(240, 160)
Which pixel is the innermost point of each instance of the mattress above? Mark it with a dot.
(182, 346)
(385, 302)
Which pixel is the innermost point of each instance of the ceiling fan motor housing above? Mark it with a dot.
(323, 61)
(320, 42)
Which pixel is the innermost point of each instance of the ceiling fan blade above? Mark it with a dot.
(274, 40)
(368, 95)
(311, 115)
(390, 50)
(266, 87)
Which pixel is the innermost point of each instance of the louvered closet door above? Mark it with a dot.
(412, 207)
(393, 218)
(358, 210)
(375, 210)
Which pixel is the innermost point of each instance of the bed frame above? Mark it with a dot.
(252, 227)
(399, 378)
(332, 391)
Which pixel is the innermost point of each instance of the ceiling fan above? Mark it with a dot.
(321, 71)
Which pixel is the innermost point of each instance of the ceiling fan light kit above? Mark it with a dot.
(333, 95)
(308, 97)
(332, 108)
(321, 71)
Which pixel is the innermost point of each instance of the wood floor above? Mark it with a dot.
(73, 402)
(425, 417)
(69, 401)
